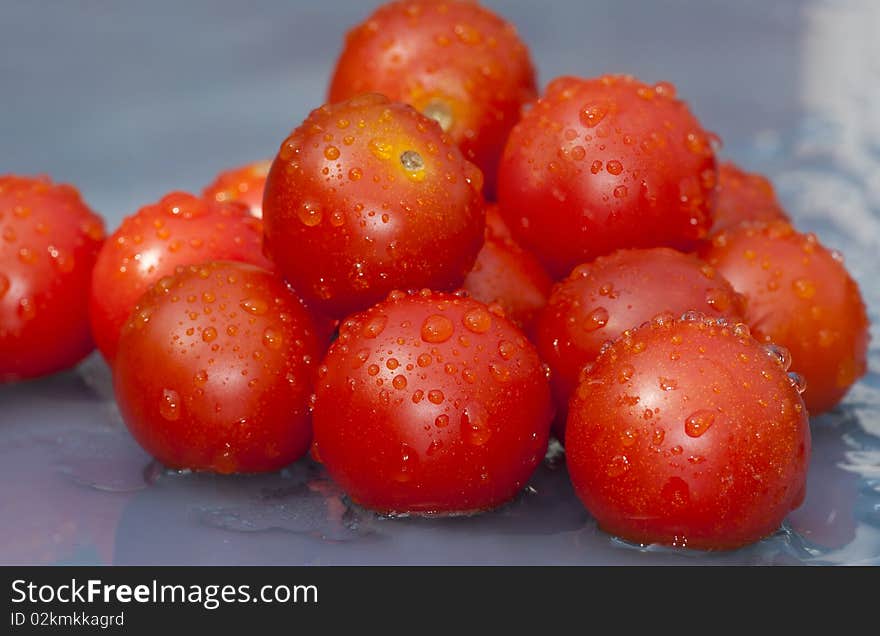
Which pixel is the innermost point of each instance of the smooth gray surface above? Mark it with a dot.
(129, 100)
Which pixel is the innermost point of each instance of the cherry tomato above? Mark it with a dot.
(799, 295)
(429, 403)
(49, 240)
(456, 62)
(600, 300)
(180, 229)
(602, 164)
(744, 196)
(215, 370)
(689, 433)
(244, 184)
(368, 196)
(507, 275)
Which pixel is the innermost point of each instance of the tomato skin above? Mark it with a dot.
(371, 208)
(507, 275)
(593, 167)
(688, 433)
(180, 229)
(49, 240)
(744, 196)
(456, 61)
(215, 370)
(428, 403)
(799, 295)
(602, 299)
(244, 184)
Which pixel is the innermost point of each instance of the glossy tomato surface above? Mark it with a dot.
(215, 369)
(180, 229)
(512, 278)
(688, 433)
(455, 61)
(602, 164)
(49, 240)
(367, 196)
(744, 196)
(429, 403)
(799, 295)
(244, 184)
(602, 299)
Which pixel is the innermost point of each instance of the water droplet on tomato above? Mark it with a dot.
(169, 405)
(475, 425)
(437, 328)
(699, 422)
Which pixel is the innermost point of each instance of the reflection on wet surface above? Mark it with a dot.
(75, 488)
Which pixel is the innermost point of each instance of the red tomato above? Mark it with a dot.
(180, 229)
(689, 433)
(215, 370)
(602, 164)
(428, 403)
(600, 300)
(456, 62)
(744, 196)
(244, 184)
(368, 196)
(799, 295)
(49, 240)
(507, 275)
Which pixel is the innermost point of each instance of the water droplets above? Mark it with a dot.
(169, 405)
(309, 214)
(506, 349)
(408, 463)
(699, 422)
(209, 334)
(437, 329)
(667, 384)
(374, 326)
(803, 288)
(798, 381)
(597, 319)
(435, 396)
(272, 338)
(4, 284)
(412, 161)
(780, 354)
(618, 465)
(475, 425)
(477, 320)
(254, 306)
(592, 115)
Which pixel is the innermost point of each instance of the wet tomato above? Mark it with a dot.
(743, 196)
(429, 403)
(244, 184)
(215, 369)
(602, 164)
(455, 61)
(689, 433)
(180, 229)
(367, 196)
(798, 295)
(601, 299)
(49, 240)
(507, 275)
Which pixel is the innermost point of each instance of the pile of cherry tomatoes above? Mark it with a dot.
(442, 268)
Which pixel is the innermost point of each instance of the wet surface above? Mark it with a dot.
(793, 89)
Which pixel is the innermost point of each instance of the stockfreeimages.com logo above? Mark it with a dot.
(209, 596)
